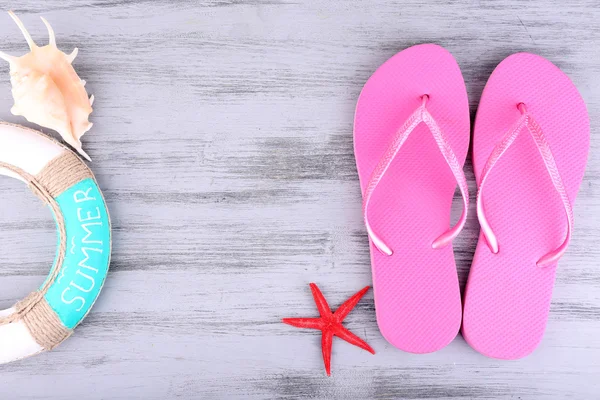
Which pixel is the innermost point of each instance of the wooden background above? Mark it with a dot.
(223, 142)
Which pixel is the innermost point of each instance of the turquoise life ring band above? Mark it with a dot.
(79, 271)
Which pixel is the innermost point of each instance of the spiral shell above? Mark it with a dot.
(47, 91)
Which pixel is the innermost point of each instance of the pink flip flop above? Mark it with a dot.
(530, 148)
(411, 137)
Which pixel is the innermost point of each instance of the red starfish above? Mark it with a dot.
(330, 323)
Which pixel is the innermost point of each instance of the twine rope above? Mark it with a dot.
(42, 322)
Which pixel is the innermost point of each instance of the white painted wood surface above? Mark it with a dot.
(223, 141)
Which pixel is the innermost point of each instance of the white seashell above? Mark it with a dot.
(47, 90)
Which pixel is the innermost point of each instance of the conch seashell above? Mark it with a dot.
(47, 90)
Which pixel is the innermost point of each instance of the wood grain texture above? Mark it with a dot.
(223, 142)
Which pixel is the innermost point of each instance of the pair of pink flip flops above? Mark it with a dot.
(530, 146)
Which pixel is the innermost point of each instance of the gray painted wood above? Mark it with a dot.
(223, 143)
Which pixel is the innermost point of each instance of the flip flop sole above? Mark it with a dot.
(507, 298)
(417, 297)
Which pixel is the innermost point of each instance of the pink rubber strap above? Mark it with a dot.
(526, 120)
(420, 115)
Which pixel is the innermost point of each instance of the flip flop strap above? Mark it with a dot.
(420, 115)
(526, 120)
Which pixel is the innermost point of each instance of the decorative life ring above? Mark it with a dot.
(48, 316)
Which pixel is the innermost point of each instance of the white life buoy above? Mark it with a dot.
(48, 316)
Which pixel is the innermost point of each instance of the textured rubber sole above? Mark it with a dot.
(507, 297)
(417, 297)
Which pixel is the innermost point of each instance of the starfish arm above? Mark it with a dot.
(343, 333)
(322, 305)
(349, 304)
(326, 344)
(312, 323)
